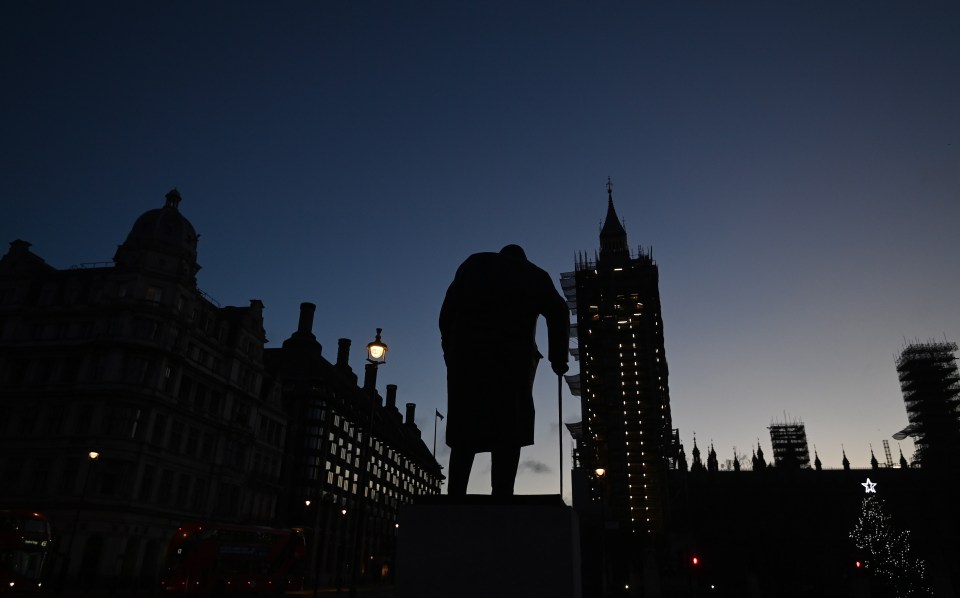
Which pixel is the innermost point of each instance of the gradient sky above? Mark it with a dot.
(795, 166)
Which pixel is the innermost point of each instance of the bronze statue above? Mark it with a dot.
(488, 326)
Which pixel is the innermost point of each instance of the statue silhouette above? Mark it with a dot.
(488, 326)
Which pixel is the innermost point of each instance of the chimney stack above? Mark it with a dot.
(305, 326)
(343, 353)
(370, 378)
(411, 411)
(391, 396)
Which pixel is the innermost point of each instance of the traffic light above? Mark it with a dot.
(695, 560)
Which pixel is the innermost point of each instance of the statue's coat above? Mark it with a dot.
(488, 328)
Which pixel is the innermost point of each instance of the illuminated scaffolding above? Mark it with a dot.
(931, 394)
(623, 380)
(789, 442)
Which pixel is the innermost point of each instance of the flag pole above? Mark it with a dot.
(560, 435)
(436, 415)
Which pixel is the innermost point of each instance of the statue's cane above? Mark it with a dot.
(560, 431)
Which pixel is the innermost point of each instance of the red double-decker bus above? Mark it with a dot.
(212, 558)
(24, 544)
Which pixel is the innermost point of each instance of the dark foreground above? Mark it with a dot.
(379, 591)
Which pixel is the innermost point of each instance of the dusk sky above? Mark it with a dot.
(795, 166)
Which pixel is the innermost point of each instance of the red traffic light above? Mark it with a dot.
(858, 564)
(695, 560)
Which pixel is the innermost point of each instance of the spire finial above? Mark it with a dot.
(613, 237)
(173, 199)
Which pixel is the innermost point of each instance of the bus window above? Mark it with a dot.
(211, 557)
(24, 543)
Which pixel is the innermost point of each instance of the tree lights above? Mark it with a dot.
(887, 550)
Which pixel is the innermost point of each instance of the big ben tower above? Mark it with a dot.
(623, 381)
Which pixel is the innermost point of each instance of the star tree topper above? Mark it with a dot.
(869, 487)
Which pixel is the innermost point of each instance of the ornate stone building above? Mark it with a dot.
(132, 362)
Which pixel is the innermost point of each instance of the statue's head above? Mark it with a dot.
(514, 251)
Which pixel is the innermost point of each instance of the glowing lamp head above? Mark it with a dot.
(377, 351)
(93, 455)
(600, 472)
(306, 503)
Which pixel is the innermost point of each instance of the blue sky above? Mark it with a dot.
(795, 166)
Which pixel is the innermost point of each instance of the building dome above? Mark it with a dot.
(162, 241)
(165, 230)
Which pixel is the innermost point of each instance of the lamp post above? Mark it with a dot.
(92, 457)
(315, 558)
(377, 351)
(600, 472)
(376, 356)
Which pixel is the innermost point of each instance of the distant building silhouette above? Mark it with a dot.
(712, 463)
(789, 441)
(697, 462)
(191, 418)
(931, 393)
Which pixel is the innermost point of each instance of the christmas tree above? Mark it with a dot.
(886, 550)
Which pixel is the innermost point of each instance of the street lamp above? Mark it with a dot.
(376, 356)
(600, 472)
(377, 351)
(92, 457)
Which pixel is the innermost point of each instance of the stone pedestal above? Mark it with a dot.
(480, 547)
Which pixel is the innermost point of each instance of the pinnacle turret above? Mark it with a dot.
(613, 237)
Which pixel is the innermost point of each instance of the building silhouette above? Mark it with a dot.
(190, 418)
(651, 527)
(930, 384)
(624, 392)
(789, 442)
(623, 380)
(337, 462)
(132, 361)
(785, 530)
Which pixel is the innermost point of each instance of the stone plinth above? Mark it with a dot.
(478, 547)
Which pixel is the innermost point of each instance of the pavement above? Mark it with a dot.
(377, 591)
(373, 591)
